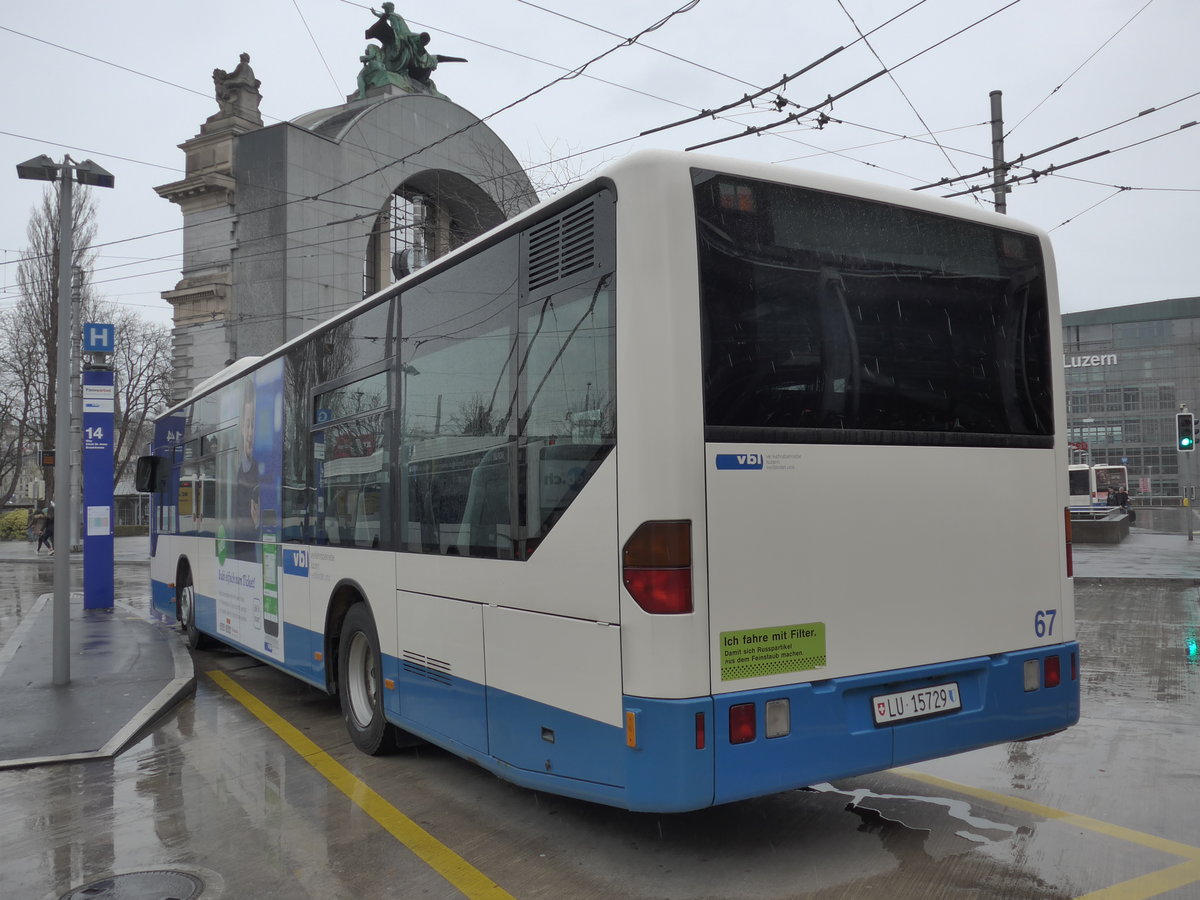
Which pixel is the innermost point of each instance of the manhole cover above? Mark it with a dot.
(159, 884)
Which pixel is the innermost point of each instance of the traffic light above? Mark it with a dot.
(1185, 432)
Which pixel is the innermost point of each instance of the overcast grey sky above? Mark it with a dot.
(125, 83)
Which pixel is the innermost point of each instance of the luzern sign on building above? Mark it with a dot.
(1096, 359)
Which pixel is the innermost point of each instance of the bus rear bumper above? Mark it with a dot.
(833, 731)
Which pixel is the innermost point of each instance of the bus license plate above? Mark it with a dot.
(916, 703)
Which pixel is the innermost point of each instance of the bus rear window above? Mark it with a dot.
(833, 319)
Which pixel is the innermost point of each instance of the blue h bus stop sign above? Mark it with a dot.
(99, 338)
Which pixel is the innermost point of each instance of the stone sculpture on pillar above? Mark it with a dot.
(237, 92)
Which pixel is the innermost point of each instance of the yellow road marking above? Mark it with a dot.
(456, 870)
(1140, 888)
(1150, 885)
(477, 886)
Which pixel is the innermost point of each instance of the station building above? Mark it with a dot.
(1128, 371)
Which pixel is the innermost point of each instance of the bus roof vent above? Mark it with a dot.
(562, 247)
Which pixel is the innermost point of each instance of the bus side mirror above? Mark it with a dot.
(150, 477)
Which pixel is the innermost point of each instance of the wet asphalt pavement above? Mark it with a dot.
(251, 789)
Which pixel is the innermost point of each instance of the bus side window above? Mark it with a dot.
(487, 522)
(353, 478)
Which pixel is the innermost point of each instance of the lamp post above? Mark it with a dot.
(43, 168)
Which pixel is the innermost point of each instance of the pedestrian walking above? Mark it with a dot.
(46, 532)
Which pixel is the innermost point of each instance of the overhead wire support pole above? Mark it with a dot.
(999, 188)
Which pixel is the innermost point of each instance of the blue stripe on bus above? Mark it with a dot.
(163, 597)
(833, 731)
(298, 643)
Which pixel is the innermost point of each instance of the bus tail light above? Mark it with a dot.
(656, 567)
(1067, 522)
(699, 731)
(1052, 674)
(741, 723)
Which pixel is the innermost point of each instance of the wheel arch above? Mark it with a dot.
(345, 594)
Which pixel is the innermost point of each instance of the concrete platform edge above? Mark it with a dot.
(181, 686)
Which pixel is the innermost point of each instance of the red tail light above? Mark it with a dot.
(741, 723)
(1052, 674)
(656, 567)
(699, 731)
(1070, 561)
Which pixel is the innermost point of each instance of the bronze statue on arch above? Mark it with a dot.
(401, 58)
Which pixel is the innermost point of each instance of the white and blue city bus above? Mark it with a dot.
(1081, 480)
(662, 495)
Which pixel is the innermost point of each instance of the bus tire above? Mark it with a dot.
(360, 683)
(185, 603)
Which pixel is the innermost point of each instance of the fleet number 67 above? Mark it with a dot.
(1043, 622)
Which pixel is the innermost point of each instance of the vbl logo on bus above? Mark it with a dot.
(295, 562)
(739, 461)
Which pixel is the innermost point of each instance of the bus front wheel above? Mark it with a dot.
(360, 683)
(185, 600)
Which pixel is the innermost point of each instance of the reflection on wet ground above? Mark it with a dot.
(22, 584)
(865, 803)
(20, 589)
(211, 790)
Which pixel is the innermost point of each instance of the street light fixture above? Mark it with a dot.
(40, 168)
(43, 168)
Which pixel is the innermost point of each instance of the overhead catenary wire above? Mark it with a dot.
(832, 98)
(642, 44)
(892, 78)
(1024, 157)
(372, 212)
(1077, 69)
(317, 46)
(1119, 190)
(1052, 169)
(103, 61)
(893, 138)
(710, 113)
(570, 74)
(574, 73)
(276, 119)
(614, 143)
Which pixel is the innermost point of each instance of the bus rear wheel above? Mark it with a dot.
(360, 683)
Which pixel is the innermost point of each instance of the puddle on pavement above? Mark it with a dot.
(921, 813)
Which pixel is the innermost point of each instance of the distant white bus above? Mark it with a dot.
(1090, 486)
(662, 495)
(1082, 481)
